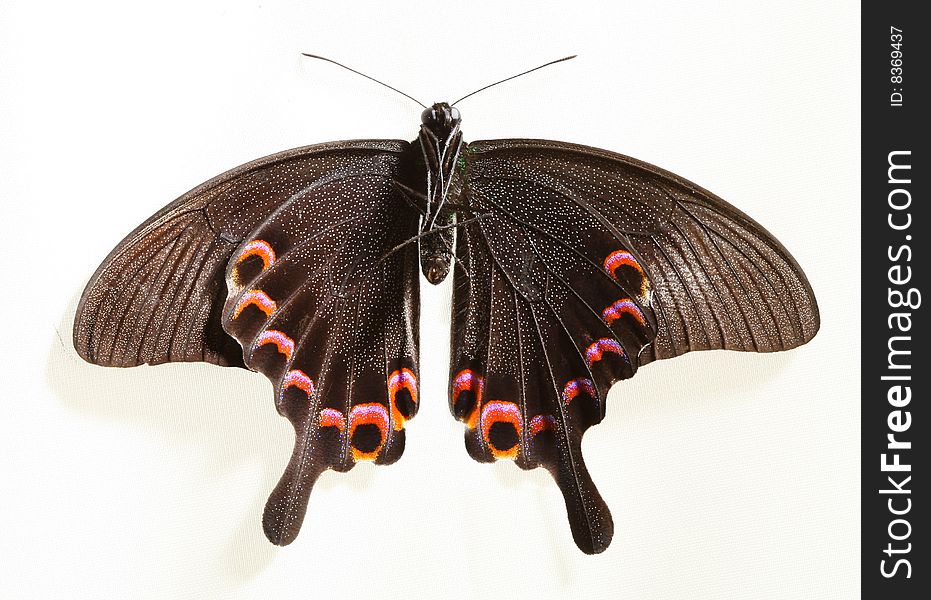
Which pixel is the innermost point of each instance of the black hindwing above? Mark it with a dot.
(588, 265)
(283, 265)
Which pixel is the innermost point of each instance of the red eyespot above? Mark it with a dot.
(501, 428)
(402, 396)
(368, 430)
(468, 388)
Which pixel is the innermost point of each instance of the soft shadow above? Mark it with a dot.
(226, 413)
(697, 381)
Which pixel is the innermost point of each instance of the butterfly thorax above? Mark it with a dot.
(439, 144)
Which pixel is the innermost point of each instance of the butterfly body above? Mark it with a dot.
(573, 267)
(440, 146)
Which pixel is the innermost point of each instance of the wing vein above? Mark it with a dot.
(523, 385)
(112, 294)
(577, 488)
(148, 282)
(733, 272)
(161, 295)
(597, 268)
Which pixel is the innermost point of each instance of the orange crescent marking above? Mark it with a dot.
(300, 380)
(541, 423)
(259, 248)
(623, 258)
(273, 336)
(257, 298)
(623, 306)
(597, 350)
(578, 386)
(330, 417)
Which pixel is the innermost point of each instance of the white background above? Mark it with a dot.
(728, 475)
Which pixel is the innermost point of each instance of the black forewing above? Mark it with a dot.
(158, 296)
(586, 265)
(283, 265)
(719, 279)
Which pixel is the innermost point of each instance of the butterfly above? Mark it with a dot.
(572, 268)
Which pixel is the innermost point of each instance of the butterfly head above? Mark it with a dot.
(442, 119)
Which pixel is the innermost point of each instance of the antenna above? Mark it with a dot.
(330, 60)
(552, 62)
